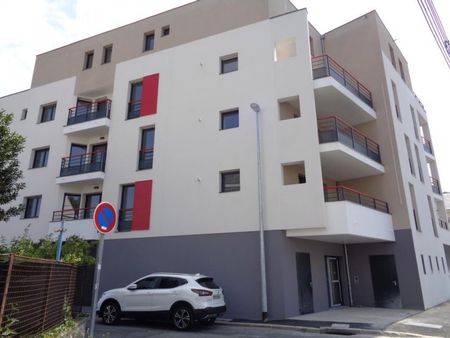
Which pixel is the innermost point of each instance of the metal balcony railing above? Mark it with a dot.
(125, 220)
(435, 185)
(146, 158)
(72, 214)
(82, 164)
(443, 224)
(427, 145)
(341, 193)
(89, 111)
(324, 66)
(334, 129)
(134, 109)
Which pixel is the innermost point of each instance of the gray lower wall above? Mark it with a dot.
(407, 272)
(233, 260)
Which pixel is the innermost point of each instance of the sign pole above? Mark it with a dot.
(95, 287)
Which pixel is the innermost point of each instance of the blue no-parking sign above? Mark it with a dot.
(105, 217)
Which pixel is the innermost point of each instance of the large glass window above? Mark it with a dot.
(149, 41)
(126, 208)
(91, 201)
(134, 106)
(32, 206)
(40, 158)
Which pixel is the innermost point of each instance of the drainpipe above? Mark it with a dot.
(349, 281)
(255, 107)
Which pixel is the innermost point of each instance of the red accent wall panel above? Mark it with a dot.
(142, 205)
(150, 95)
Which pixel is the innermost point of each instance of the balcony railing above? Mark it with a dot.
(435, 186)
(89, 111)
(334, 129)
(341, 193)
(427, 145)
(72, 214)
(443, 224)
(134, 109)
(82, 164)
(146, 158)
(125, 220)
(324, 66)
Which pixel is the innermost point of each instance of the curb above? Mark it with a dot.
(324, 330)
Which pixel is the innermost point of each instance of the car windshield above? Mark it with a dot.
(207, 282)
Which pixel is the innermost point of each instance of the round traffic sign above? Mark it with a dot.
(105, 217)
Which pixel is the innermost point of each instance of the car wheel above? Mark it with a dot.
(110, 313)
(182, 317)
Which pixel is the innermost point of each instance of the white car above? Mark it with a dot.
(183, 298)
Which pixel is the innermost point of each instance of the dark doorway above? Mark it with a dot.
(304, 283)
(334, 281)
(385, 282)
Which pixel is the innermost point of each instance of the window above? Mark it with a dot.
(228, 64)
(311, 46)
(32, 206)
(413, 118)
(207, 282)
(289, 108)
(40, 158)
(24, 114)
(48, 113)
(437, 264)
(433, 219)
(171, 282)
(134, 106)
(443, 265)
(391, 51)
(294, 173)
(149, 41)
(146, 152)
(423, 265)
(107, 53)
(91, 201)
(419, 164)
(285, 49)
(230, 181)
(88, 59)
(165, 31)
(400, 65)
(229, 119)
(396, 103)
(414, 206)
(148, 283)
(410, 159)
(126, 208)
(431, 264)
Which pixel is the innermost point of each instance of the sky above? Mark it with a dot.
(31, 27)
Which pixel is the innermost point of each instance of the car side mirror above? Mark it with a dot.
(132, 287)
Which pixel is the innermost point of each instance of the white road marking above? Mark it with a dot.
(430, 326)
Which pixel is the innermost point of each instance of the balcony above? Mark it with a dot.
(337, 92)
(89, 119)
(77, 222)
(427, 146)
(134, 109)
(443, 224)
(435, 186)
(88, 167)
(345, 152)
(145, 159)
(125, 220)
(351, 217)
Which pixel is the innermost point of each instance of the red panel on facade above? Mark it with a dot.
(142, 205)
(150, 95)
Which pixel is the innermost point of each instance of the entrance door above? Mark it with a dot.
(334, 281)
(304, 283)
(385, 282)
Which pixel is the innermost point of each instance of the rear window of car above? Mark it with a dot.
(207, 282)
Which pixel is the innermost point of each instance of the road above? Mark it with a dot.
(141, 329)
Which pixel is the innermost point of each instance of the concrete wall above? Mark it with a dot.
(407, 270)
(233, 260)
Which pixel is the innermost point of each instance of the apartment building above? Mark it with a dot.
(158, 117)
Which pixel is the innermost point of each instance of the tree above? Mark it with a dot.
(11, 145)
